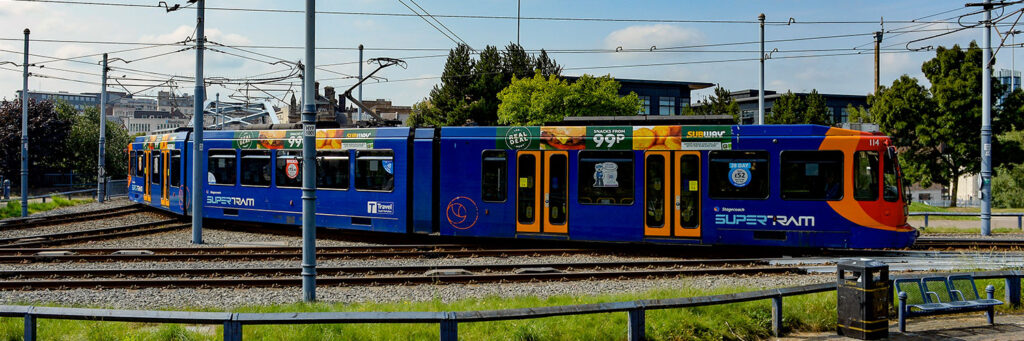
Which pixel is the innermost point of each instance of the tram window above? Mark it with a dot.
(175, 168)
(156, 169)
(865, 177)
(289, 177)
(332, 169)
(689, 206)
(606, 177)
(375, 170)
(493, 185)
(557, 193)
(891, 184)
(738, 175)
(812, 175)
(140, 164)
(255, 168)
(655, 190)
(221, 167)
(526, 193)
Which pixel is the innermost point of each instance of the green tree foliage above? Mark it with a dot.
(817, 110)
(469, 88)
(858, 114)
(1008, 186)
(538, 100)
(787, 109)
(720, 103)
(47, 132)
(790, 108)
(938, 128)
(84, 139)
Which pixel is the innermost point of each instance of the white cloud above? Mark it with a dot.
(17, 9)
(182, 32)
(645, 36)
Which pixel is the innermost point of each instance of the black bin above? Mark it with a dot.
(863, 306)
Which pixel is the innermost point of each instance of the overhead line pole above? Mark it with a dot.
(308, 159)
(360, 81)
(986, 124)
(760, 93)
(24, 131)
(101, 183)
(199, 175)
(878, 41)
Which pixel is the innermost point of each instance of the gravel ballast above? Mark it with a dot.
(226, 299)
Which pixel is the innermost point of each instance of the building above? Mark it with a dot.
(658, 97)
(1011, 79)
(126, 107)
(836, 103)
(168, 101)
(386, 110)
(146, 121)
(79, 101)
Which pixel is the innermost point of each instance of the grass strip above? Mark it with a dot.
(13, 208)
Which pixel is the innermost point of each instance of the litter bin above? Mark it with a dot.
(863, 307)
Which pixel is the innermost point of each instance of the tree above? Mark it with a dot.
(816, 111)
(901, 112)
(47, 132)
(858, 114)
(538, 100)
(469, 88)
(787, 109)
(721, 103)
(84, 137)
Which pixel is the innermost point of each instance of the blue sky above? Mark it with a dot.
(829, 74)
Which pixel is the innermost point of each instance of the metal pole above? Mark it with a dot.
(878, 41)
(519, 14)
(986, 125)
(308, 160)
(760, 94)
(199, 176)
(101, 192)
(24, 131)
(218, 117)
(360, 79)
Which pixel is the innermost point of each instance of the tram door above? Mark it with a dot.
(542, 191)
(156, 176)
(165, 181)
(672, 194)
(147, 196)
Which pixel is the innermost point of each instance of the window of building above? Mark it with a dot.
(645, 105)
(255, 168)
(666, 105)
(865, 177)
(606, 177)
(494, 184)
(375, 170)
(738, 174)
(175, 168)
(812, 175)
(156, 169)
(221, 167)
(844, 115)
(332, 169)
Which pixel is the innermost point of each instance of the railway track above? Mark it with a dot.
(960, 243)
(65, 238)
(31, 222)
(348, 276)
(272, 253)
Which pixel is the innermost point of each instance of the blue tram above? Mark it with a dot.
(770, 185)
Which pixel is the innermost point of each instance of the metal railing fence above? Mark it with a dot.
(1019, 216)
(449, 321)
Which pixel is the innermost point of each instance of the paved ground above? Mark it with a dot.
(969, 326)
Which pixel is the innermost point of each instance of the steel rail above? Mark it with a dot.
(348, 270)
(92, 235)
(385, 280)
(30, 222)
(291, 255)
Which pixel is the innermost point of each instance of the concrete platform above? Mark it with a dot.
(965, 327)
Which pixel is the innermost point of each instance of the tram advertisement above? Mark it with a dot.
(615, 138)
(292, 139)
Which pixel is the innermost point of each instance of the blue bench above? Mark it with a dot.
(942, 295)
